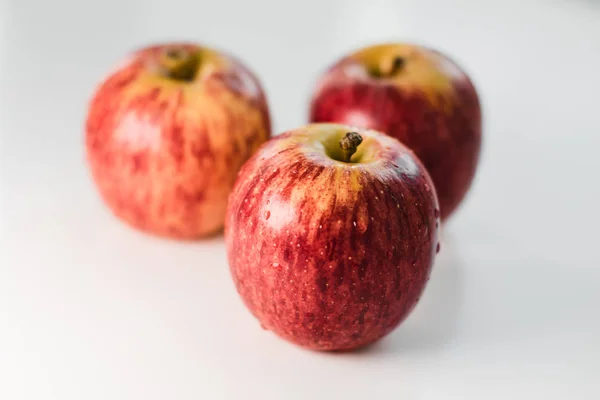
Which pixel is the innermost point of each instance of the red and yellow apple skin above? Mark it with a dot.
(166, 134)
(327, 254)
(416, 95)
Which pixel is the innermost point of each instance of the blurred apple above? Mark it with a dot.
(416, 95)
(166, 134)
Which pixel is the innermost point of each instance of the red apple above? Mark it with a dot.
(328, 248)
(166, 134)
(416, 95)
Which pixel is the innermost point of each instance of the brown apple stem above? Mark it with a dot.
(397, 65)
(349, 143)
(179, 63)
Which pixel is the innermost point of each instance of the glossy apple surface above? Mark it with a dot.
(330, 254)
(166, 134)
(416, 95)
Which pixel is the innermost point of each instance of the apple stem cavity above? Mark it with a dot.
(179, 64)
(349, 144)
(394, 68)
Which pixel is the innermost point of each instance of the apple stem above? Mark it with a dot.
(179, 63)
(349, 143)
(397, 65)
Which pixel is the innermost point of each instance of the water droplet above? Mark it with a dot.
(437, 248)
(354, 223)
(320, 226)
(277, 266)
(427, 187)
(267, 214)
(436, 213)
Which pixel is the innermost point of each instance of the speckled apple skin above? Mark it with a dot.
(431, 106)
(326, 254)
(164, 154)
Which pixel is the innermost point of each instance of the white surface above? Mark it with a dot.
(90, 309)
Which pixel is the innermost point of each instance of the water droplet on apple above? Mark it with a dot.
(277, 266)
(267, 214)
(427, 187)
(437, 248)
(436, 213)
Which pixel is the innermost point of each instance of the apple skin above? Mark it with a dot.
(164, 152)
(327, 254)
(428, 103)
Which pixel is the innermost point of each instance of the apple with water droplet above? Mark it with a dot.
(331, 233)
(417, 95)
(167, 132)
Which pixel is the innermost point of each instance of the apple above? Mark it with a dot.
(416, 95)
(166, 134)
(331, 232)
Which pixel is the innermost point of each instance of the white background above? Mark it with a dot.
(90, 309)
